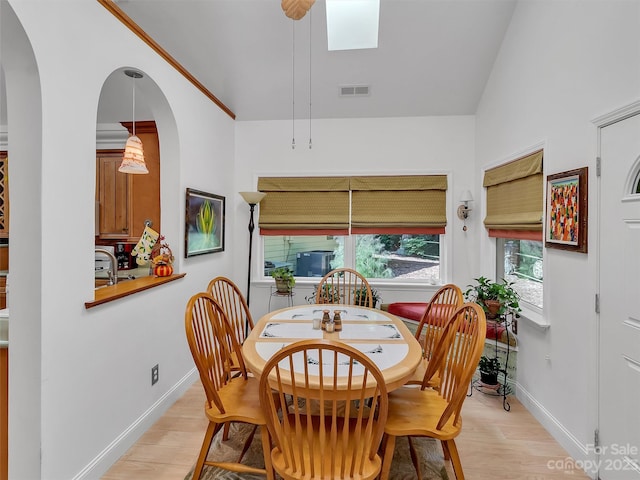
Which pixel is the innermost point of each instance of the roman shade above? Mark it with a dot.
(304, 206)
(399, 204)
(515, 203)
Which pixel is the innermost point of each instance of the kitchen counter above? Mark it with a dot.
(123, 289)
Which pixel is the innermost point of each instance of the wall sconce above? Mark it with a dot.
(463, 209)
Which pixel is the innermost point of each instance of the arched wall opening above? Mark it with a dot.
(24, 142)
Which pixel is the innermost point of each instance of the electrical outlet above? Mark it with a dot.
(155, 374)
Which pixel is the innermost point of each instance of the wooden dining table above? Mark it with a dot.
(383, 337)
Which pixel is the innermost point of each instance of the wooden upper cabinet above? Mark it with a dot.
(4, 195)
(127, 201)
(113, 196)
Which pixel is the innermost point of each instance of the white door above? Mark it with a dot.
(619, 376)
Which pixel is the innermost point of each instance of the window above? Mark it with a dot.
(514, 217)
(520, 262)
(385, 227)
(376, 256)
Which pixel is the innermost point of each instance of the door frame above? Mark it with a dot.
(601, 122)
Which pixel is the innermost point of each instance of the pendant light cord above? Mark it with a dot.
(293, 84)
(133, 115)
(310, 23)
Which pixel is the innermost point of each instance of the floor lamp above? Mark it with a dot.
(252, 198)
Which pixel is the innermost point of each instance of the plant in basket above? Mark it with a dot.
(162, 258)
(284, 278)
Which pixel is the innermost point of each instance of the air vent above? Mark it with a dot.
(354, 90)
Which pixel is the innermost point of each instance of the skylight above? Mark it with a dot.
(352, 24)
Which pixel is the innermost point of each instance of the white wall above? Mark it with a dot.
(80, 379)
(561, 65)
(375, 146)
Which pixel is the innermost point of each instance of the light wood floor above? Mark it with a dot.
(494, 444)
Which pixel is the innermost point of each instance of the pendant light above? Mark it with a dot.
(133, 159)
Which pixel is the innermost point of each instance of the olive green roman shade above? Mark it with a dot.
(304, 205)
(515, 204)
(399, 204)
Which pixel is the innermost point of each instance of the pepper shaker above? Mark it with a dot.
(337, 320)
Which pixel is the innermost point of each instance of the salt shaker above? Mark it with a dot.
(325, 319)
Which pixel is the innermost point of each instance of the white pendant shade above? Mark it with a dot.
(133, 159)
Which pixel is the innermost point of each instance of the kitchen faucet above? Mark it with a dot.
(113, 271)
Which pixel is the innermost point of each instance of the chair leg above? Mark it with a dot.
(247, 443)
(445, 452)
(390, 444)
(414, 457)
(266, 450)
(204, 450)
(225, 434)
(455, 459)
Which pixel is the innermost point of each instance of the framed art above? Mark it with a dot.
(566, 219)
(204, 223)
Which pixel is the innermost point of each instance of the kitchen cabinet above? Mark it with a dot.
(3, 292)
(126, 202)
(113, 196)
(4, 195)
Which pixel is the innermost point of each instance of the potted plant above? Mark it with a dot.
(284, 279)
(329, 294)
(360, 296)
(489, 368)
(495, 298)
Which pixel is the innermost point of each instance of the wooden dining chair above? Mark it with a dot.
(228, 295)
(426, 412)
(345, 286)
(438, 312)
(338, 438)
(229, 398)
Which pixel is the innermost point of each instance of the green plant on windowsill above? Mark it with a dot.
(330, 294)
(360, 297)
(284, 279)
(495, 298)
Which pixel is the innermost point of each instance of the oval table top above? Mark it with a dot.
(383, 337)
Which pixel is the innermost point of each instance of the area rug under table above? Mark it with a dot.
(429, 451)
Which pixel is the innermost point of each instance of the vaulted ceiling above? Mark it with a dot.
(434, 56)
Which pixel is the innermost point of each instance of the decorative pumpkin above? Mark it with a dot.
(162, 270)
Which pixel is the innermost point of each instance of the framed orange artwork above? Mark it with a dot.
(566, 219)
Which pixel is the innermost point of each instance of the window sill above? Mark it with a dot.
(124, 289)
(534, 318)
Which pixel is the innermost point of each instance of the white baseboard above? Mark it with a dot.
(105, 459)
(574, 447)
